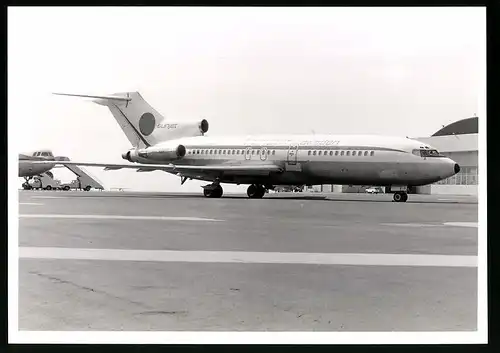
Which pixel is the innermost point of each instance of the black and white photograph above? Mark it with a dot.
(247, 174)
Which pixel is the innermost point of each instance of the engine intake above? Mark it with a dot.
(130, 156)
(203, 126)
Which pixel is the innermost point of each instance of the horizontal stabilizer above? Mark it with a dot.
(98, 97)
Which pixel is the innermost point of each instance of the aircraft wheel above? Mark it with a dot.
(213, 193)
(256, 191)
(66, 188)
(217, 192)
(48, 187)
(400, 196)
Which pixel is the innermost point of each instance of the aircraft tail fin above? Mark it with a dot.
(141, 123)
(136, 117)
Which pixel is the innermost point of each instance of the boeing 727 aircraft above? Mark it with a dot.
(35, 163)
(265, 161)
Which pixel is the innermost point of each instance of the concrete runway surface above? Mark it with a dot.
(289, 262)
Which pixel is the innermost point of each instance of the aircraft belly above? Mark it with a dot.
(366, 173)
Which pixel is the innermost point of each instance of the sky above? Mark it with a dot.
(385, 71)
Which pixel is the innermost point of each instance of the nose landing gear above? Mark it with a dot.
(26, 185)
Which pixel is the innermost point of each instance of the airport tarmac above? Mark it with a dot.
(289, 262)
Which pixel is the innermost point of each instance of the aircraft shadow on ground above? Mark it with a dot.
(242, 196)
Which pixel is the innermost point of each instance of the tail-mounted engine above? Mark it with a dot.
(172, 131)
(156, 153)
(130, 156)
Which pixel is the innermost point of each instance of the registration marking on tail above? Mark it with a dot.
(119, 217)
(241, 257)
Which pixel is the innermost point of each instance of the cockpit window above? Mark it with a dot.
(427, 153)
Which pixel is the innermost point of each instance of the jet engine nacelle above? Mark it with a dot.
(172, 131)
(156, 153)
(130, 156)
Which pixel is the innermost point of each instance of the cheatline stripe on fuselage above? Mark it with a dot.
(287, 147)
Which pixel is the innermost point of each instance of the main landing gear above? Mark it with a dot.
(213, 191)
(256, 191)
(400, 196)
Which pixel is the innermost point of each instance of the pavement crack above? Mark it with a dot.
(87, 289)
(161, 312)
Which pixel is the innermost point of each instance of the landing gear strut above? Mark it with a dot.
(213, 191)
(26, 185)
(400, 196)
(256, 191)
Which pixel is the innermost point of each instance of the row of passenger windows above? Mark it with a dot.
(341, 153)
(230, 152)
(273, 152)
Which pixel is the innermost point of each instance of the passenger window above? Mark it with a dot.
(331, 153)
(366, 153)
(314, 153)
(319, 153)
(202, 151)
(258, 151)
(308, 153)
(372, 153)
(197, 151)
(238, 152)
(336, 153)
(223, 151)
(253, 151)
(268, 152)
(348, 153)
(274, 152)
(325, 153)
(342, 153)
(234, 151)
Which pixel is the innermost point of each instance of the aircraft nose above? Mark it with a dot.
(457, 168)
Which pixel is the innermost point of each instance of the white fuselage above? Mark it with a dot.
(314, 159)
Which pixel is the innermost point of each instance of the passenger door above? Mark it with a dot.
(248, 153)
(292, 154)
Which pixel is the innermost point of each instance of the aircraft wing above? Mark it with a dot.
(254, 169)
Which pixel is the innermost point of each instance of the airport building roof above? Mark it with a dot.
(460, 127)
